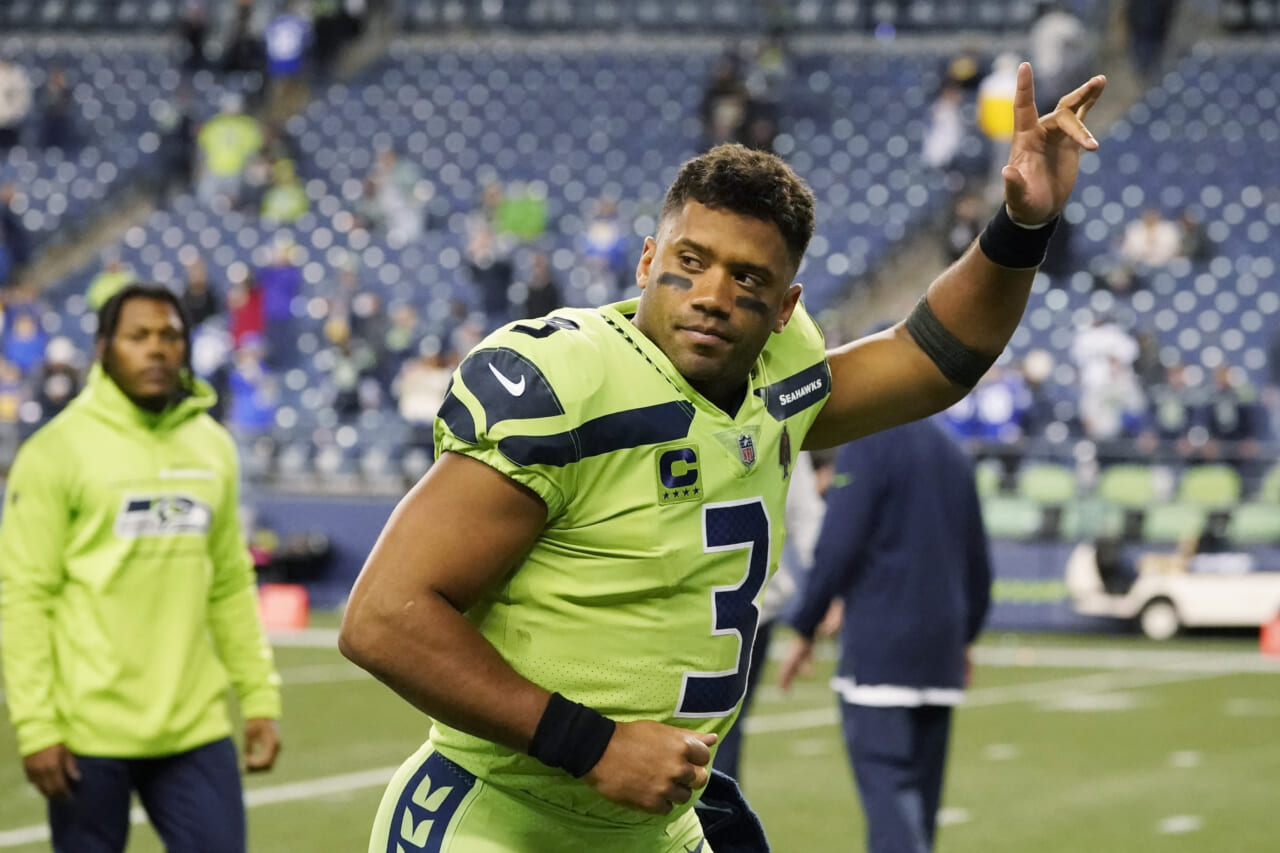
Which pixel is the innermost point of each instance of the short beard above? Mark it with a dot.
(154, 403)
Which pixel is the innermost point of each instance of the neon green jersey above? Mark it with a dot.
(641, 596)
(127, 598)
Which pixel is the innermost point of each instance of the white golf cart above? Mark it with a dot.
(1166, 592)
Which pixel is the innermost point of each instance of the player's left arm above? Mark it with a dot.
(237, 632)
(888, 379)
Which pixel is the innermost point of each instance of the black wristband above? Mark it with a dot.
(1008, 244)
(956, 361)
(570, 736)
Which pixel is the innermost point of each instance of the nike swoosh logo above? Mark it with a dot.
(515, 389)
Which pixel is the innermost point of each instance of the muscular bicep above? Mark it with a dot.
(878, 382)
(457, 533)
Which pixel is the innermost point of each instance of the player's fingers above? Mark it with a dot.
(701, 776)
(1024, 100)
(678, 793)
(697, 751)
(70, 767)
(1081, 100)
(1066, 122)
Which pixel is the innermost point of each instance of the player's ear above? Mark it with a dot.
(789, 302)
(646, 262)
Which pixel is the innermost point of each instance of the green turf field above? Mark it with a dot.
(1066, 744)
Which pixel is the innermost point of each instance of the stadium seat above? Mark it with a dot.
(1011, 517)
(1210, 486)
(1255, 523)
(1130, 486)
(1173, 522)
(1047, 483)
(1090, 519)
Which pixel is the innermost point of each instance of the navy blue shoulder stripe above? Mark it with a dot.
(508, 386)
(640, 427)
(797, 392)
(457, 417)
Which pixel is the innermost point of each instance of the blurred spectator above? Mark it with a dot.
(604, 248)
(1147, 364)
(770, 71)
(13, 393)
(1151, 241)
(115, 274)
(392, 197)
(1149, 22)
(966, 70)
(1228, 406)
(211, 361)
(193, 28)
(226, 144)
(246, 320)
(200, 301)
(59, 377)
(177, 154)
(253, 391)
(1195, 245)
(285, 201)
(725, 102)
(1173, 402)
(995, 116)
(404, 332)
(492, 274)
(1060, 53)
(244, 49)
(281, 282)
(15, 243)
(1111, 401)
(1038, 414)
(15, 102)
(24, 341)
(542, 292)
(947, 128)
(419, 389)
(57, 113)
(964, 225)
(287, 39)
(353, 364)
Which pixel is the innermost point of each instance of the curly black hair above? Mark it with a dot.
(751, 183)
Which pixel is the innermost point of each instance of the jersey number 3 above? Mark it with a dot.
(731, 526)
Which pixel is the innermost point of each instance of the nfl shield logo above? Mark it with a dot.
(746, 450)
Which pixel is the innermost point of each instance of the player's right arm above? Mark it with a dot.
(32, 537)
(458, 534)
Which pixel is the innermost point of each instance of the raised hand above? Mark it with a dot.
(651, 766)
(1045, 154)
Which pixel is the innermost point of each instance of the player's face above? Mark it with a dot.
(715, 285)
(146, 355)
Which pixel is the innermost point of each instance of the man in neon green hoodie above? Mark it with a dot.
(127, 600)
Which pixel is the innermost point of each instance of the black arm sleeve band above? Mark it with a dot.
(1008, 244)
(957, 362)
(570, 736)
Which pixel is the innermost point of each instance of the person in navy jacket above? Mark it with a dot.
(903, 546)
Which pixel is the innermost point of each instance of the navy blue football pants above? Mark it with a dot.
(898, 756)
(193, 799)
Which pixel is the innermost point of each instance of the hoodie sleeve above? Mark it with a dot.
(33, 536)
(233, 608)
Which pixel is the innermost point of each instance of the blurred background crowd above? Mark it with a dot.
(348, 194)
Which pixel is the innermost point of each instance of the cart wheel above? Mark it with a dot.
(1159, 619)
